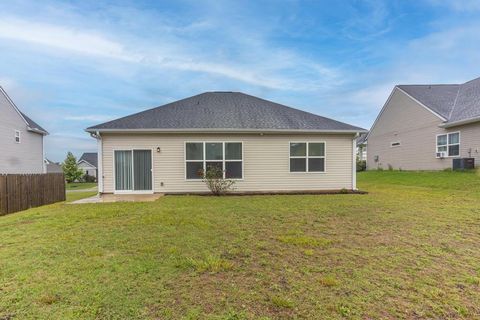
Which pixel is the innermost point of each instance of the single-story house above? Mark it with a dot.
(425, 127)
(53, 167)
(264, 146)
(88, 162)
(21, 140)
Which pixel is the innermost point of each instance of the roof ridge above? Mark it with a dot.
(429, 85)
(454, 103)
(471, 80)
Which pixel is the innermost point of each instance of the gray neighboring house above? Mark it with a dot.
(21, 140)
(53, 167)
(362, 146)
(88, 162)
(264, 146)
(424, 127)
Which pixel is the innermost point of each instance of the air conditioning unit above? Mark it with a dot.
(441, 155)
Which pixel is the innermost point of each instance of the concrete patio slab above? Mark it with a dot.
(104, 198)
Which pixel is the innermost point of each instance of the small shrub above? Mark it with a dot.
(213, 178)
(281, 302)
(89, 178)
(390, 167)
(343, 191)
(361, 165)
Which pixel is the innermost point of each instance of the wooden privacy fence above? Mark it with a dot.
(23, 191)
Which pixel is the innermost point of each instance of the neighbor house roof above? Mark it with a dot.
(229, 111)
(362, 139)
(455, 103)
(31, 125)
(90, 157)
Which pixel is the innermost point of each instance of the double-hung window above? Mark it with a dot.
(227, 156)
(449, 143)
(307, 157)
(17, 136)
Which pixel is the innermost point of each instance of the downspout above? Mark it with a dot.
(354, 161)
(98, 137)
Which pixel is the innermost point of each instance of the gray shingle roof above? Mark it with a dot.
(454, 102)
(90, 157)
(225, 110)
(362, 138)
(32, 124)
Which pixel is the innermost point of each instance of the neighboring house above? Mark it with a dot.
(264, 146)
(88, 162)
(53, 167)
(362, 147)
(424, 127)
(21, 140)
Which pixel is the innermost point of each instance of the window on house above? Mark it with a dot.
(228, 156)
(307, 157)
(17, 136)
(449, 143)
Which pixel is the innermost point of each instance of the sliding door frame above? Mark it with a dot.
(133, 173)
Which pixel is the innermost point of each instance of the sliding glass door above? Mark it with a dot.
(133, 170)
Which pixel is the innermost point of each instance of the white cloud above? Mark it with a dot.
(177, 56)
(92, 118)
(458, 5)
(88, 43)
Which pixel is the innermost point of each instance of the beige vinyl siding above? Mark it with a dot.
(406, 121)
(23, 157)
(266, 161)
(469, 141)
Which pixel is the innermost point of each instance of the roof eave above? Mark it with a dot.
(459, 122)
(35, 130)
(225, 130)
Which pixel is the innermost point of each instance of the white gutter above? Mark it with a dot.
(459, 123)
(223, 130)
(97, 136)
(354, 162)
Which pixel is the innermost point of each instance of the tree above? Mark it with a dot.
(70, 168)
(213, 178)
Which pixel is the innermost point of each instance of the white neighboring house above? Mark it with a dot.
(264, 146)
(21, 140)
(88, 162)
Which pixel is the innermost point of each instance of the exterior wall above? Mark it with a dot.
(265, 161)
(92, 171)
(416, 128)
(23, 157)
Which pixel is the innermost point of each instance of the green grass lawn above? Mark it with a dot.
(409, 249)
(80, 185)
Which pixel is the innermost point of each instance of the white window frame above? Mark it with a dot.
(395, 144)
(306, 157)
(448, 144)
(133, 191)
(18, 134)
(204, 161)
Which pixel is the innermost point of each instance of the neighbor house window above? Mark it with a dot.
(17, 136)
(228, 156)
(449, 143)
(307, 157)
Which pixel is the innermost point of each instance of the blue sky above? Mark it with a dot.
(73, 64)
